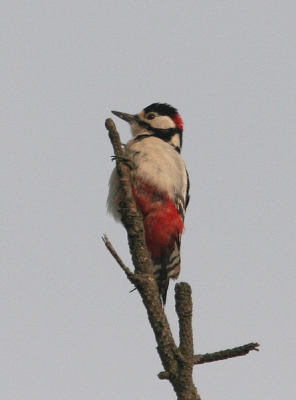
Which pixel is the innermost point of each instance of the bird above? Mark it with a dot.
(160, 185)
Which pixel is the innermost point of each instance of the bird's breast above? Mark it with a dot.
(157, 163)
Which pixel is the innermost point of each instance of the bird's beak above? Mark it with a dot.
(126, 117)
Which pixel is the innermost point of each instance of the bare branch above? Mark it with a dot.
(114, 137)
(143, 277)
(177, 362)
(130, 217)
(184, 309)
(111, 249)
(224, 354)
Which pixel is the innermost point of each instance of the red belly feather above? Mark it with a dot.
(162, 222)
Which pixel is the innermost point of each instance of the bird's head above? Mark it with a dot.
(157, 119)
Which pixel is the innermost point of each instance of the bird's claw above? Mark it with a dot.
(124, 160)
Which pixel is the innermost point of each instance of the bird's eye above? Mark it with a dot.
(150, 116)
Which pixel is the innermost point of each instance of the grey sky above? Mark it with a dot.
(70, 328)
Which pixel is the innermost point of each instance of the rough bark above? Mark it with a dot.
(178, 361)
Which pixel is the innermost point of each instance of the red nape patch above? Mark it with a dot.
(178, 121)
(162, 222)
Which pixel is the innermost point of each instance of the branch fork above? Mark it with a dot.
(178, 362)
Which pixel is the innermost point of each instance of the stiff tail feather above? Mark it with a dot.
(165, 268)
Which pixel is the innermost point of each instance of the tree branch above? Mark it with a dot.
(177, 362)
(143, 277)
(224, 354)
(184, 310)
(130, 217)
(111, 249)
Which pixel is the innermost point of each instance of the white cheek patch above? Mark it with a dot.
(162, 122)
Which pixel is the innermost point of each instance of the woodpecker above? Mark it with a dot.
(160, 185)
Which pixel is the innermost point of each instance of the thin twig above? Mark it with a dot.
(224, 354)
(113, 252)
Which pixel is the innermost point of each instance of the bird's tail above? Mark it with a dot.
(167, 267)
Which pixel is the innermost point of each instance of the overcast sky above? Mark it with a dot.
(69, 327)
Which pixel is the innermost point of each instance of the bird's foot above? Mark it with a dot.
(124, 160)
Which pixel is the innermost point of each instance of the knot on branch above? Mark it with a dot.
(164, 375)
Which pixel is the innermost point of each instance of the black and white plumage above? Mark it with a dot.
(160, 185)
